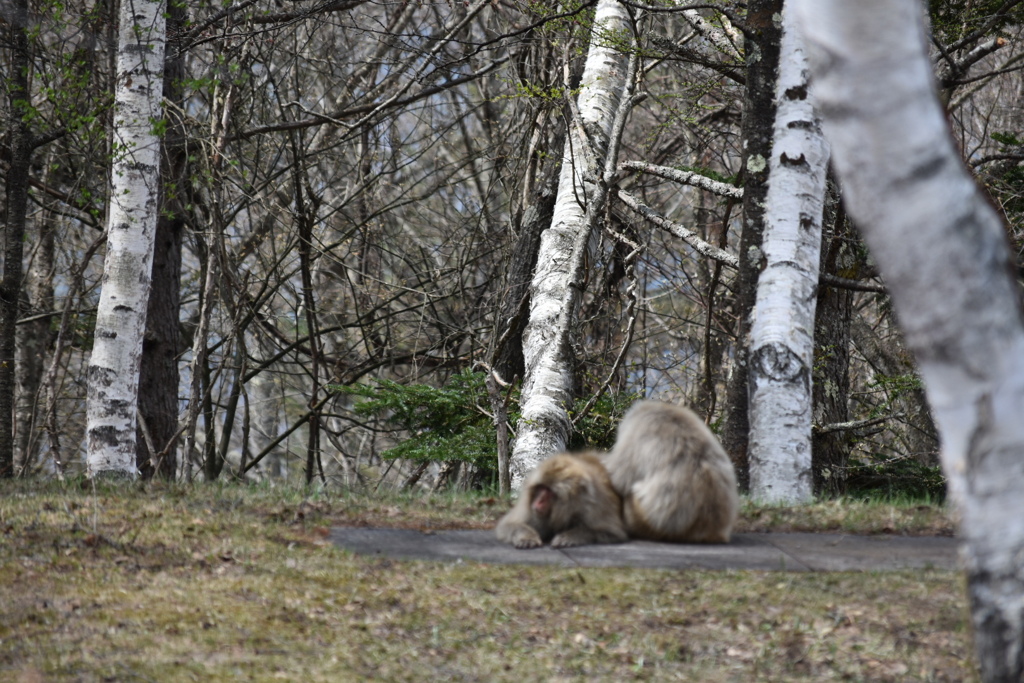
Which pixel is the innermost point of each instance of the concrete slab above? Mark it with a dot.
(755, 551)
(844, 552)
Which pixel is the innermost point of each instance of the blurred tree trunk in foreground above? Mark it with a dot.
(943, 251)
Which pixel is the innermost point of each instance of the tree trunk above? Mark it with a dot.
(159, 377)
(507, 353)
(113, 371)
(212, 255)
(547, 350)
(19, 137)
(314, 463)
(34, 339)
(942, 249)
(782, 330)
(762, 54)
(713, 347)
(508, 329)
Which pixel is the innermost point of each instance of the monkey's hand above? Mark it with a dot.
(525, 537)
(571, 537)
(582, 535)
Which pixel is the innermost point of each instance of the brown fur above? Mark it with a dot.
(677, 483)
(568, 500)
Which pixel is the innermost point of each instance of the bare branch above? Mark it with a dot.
(686, 177)
(689, 236)
(855, 424)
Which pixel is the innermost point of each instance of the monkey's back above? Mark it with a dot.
(676, 481)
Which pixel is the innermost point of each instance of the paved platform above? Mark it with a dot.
(754, 551)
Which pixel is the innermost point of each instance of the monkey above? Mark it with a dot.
(567, 500)
(676, 482)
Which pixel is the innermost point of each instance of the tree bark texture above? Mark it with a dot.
(113, 371)
(507, 356)
(19, 137)
(512, 318)
(761, 50)
(782, 326)
(34, 340)
(554, 295)
(943, 252)
(159, 377)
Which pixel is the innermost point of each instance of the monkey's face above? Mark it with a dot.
(542, 499)
(556, 505)
(543, 504)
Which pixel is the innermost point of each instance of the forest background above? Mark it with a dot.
(356, 210)
(352, 201)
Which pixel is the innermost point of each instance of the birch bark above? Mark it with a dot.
(113, 372)
(943, 252)
(782, 327)
(547, 352)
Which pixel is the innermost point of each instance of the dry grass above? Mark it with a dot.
(852, 516)
(229, 583)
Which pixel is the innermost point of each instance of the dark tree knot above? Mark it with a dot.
(777, 362)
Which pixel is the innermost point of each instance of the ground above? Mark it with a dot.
(215, 582)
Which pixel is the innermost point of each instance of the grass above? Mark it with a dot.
(218, 582)
(851, 515)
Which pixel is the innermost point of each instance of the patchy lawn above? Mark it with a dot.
(215, 582)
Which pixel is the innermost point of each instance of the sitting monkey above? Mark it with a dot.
(676, 482)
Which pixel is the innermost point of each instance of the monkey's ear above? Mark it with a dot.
(543, 500)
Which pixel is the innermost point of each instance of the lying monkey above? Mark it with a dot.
(568, 500)
(666, 479)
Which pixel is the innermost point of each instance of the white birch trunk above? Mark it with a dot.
(113, 373)
(547, 387)
(943, 252)
(782, 326)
